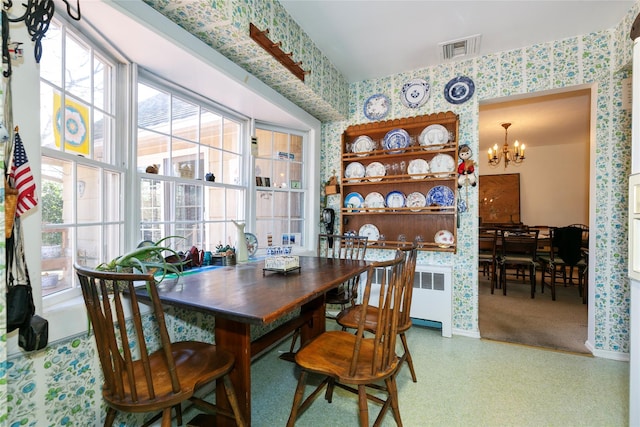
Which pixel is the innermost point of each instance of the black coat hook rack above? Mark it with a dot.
(37, 17)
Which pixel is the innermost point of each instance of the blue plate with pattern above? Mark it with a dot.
(396, 140)
(440, 195)
(354, 201)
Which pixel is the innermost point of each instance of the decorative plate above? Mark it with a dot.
(375, 171)
(374, 201)
(414, 93)
(363, 145)
(444, 238)
(354, 170)
(434, 137)
(395, 199)
(440, 195)
(370, 231)
(376, 107)
(353, 200)
(252, 243)
(459, 90)
(442, 165)
(416, 201)
(416, 167)
(396, 140)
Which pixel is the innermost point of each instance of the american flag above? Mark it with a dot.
(21, 178)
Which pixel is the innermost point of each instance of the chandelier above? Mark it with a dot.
(515, 154)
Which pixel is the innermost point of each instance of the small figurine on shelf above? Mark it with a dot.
(466, 168)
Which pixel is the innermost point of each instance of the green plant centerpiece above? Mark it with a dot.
(148, 257)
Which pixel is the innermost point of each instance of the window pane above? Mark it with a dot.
(153, 109)
(213, 162)
(231, 169)
(46, 116)
(235, 205)
(265, 148)
(89, 193)
(210, 129)
(264, 204)
(215, 202)
(57, 182)
(280, 142)
(113, 201)
(78, 69)
(297, 205)
(231, 136)
(153, 149)
(151, 202)
(57, 260)
(51, 60)
(185, 159)
(281, 204)
(101, 85)
(295, 147)
(185, 120)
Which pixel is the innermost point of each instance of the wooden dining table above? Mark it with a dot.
(245, 294)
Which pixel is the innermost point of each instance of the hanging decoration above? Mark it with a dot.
(37, 17)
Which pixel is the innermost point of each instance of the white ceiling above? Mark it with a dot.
(373, 39)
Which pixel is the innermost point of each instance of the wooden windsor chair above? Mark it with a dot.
(137, 379)
(355, 362)
(349, 318)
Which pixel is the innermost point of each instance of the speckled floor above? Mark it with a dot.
(465, 382)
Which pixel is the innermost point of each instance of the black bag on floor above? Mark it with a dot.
(19, 306)
(34, 335)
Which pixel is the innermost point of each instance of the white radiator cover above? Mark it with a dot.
(431, 294)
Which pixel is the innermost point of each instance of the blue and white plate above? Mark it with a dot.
(376, 107)
(354, 170)
(459, 90)
(414, 93)
(396, 140)
(440, 195)
(353, 201)
(363, 145)
(395, 199)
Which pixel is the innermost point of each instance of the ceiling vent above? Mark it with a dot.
(466, 46)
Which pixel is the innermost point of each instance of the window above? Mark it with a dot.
(191, 168)
(280, 189)
(82, 174)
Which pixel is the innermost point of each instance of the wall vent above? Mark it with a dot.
(454, 49)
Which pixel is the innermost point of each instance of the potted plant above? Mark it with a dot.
(148, 257)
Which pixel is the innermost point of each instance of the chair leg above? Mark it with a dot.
(178, 414)
(407, 357)
(363, 406)
(553, 284)
(233, 401)
(111, 416)
(297, 399)
(294, 338)
(532, 277)
(166, 417)
(392, 389)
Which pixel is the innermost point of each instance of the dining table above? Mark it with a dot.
(247, 294)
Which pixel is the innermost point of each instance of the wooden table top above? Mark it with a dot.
(245, 293)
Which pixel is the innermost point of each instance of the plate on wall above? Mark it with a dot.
(353, 201)
(416, 201)
(414, 93)
(442, 165)
(363, 145)
(433, 137)
(354, 170)
(396, 140)
(418, 168)
(444, 238)
(459, 90)
(370, 231)
(395, 199)
(374, 201)
(440, 195)
(252, 243)
(375, 171)
(376, 107)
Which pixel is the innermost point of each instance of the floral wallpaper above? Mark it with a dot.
(61, 385)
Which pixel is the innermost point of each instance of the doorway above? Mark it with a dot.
(555, 127)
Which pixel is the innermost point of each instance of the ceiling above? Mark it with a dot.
(374, 39)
